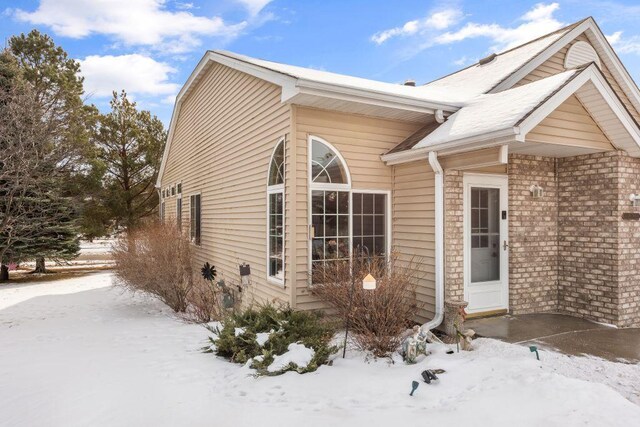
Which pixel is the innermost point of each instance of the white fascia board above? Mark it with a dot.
(541, 57)
(627, 80)
(612, 57)
(372, 97)
(472, 143)
(590, 74)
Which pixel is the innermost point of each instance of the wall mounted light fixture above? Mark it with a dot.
(536, 191)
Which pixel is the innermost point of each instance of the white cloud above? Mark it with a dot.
(615, 37)
(184, 6)
(254, 6)
(137, 74)
(536, 22)
(624, 45)
(133, 22)
(439, 20)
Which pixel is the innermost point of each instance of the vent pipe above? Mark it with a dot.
(410, 82)
(487, 59)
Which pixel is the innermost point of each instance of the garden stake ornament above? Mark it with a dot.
(534, 349)
(414, 387)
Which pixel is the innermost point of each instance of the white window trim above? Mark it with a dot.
(191, 240)
(345, 188)
(274, 189)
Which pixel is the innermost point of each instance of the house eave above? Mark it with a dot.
(491, 139)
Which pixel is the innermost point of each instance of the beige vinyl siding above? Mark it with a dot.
(570, 124)
(224, 135)
(414, 226)
(555, 65)
(360, 140)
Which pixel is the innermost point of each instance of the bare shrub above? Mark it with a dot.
(156, 258)
(205, 301)
(377, 318)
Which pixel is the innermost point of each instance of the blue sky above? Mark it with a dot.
(149, 47)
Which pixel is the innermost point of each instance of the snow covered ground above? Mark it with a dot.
(80, 352)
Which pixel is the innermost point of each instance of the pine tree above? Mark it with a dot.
(57, 88)
(34, 217)
(129, 143)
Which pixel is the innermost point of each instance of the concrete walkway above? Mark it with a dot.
(569, 335)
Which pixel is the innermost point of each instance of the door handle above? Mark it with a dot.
(505, 245)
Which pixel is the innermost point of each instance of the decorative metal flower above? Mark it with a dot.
(209, 272)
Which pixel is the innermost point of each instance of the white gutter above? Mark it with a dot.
(439, 238)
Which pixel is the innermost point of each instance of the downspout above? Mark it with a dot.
(439, 241)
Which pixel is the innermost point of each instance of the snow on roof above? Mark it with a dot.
(478, 79)
(319, 76)
(495, 112)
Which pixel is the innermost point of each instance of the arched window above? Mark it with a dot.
(330, 200)
(327, 166)
(275, 215)
(344, 222)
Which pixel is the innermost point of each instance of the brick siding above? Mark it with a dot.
(453, 232)
(570, 250)
(533, 235)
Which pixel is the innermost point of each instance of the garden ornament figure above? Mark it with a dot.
(209, 272)
(416, 344)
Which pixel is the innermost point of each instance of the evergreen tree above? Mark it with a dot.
(129, 143)
(57, 89)
(34, 216)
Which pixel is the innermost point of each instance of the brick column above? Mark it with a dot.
(533, 235)
(453, 235)
(588, 221)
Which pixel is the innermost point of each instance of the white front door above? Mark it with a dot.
(486, 251)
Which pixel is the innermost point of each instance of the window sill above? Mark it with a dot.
(276, 282)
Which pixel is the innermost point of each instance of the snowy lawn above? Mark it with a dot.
(80, 352)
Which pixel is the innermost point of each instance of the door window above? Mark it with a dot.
(485, 234)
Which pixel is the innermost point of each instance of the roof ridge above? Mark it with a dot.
(565, 28)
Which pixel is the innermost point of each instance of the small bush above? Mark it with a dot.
(236, 339)
(205, 301)
(378, 318)
(156, 259)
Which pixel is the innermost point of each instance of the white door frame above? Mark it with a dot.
(501, 182)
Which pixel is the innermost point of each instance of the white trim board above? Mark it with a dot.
(602, 46)
(486, 181)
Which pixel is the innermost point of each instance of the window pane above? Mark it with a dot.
(343, 225)
(367, 225)
(380, 204)
(379, 246)
(343, 202)
(369, 228)
(357, 225)
(317, 249)
(331, 202)
(357, 203)
(485, 235)
(326, 166)
(276, 169)
(336, 173)
(379, 225)
(367, 203)
(317, 221)
(331, 225)
(317, 202)
(343, 248)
